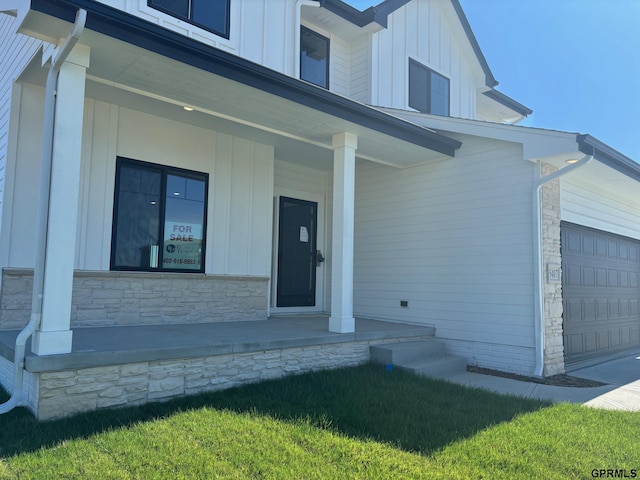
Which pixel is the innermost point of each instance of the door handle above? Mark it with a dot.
(319, 258)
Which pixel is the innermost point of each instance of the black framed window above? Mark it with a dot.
(314, 57)
(428, 90)
(212, 15)
(159, 218)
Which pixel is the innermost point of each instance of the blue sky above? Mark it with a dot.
(575, 63)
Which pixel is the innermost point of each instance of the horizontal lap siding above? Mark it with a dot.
(454, 239)
(603, 210)
(360, 80)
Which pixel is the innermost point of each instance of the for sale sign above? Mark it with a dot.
(182, 246)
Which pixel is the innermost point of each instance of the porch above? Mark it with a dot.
(127, 365)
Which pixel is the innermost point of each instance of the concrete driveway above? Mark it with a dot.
(621, 392)
(620, 372)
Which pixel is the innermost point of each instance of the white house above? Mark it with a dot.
(234, 160)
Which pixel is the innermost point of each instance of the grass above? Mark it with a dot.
(361, 422)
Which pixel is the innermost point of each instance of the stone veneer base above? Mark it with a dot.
(65, 392)
(105, 298)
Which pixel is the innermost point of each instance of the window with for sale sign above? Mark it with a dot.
(182, 246)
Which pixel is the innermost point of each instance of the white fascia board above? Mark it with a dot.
(537, 143)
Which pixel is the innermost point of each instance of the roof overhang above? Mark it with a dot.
(134, 56)
(551, 146)
(608, 156)
(377, 14)
(508, 102)
(490, 80)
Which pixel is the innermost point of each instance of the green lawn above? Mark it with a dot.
(361, 422)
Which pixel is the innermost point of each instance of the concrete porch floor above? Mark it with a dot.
(102, 346)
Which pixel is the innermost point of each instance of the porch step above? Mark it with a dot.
(404, 352)
(437, 367)
(425, 357)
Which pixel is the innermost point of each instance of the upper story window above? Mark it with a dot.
(212, 15)
(159, 218)
(314, 57)
(428, 90)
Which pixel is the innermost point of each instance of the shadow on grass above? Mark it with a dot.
(413, 413)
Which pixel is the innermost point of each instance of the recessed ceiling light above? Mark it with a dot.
(153, 202)
(571, 161)
(188, 109)
(177, 194)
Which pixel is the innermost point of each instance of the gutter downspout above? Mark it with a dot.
(59, 56)
(299, 5)
(538, 267)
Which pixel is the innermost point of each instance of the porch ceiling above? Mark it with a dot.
(138, 78)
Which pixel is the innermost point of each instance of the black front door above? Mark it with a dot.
(297, 253)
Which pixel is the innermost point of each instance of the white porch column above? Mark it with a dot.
(344, 174)
(54, 334)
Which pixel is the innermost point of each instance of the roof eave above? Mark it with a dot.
(136, 31)
(489, 78)
(508, 102)
(608, 156)
(378, 14)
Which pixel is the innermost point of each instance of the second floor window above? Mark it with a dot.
(428, 90)
(314, 57)
(212, 15)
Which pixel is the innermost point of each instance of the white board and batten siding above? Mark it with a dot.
(422, 30)
(240, 185)
(16, 52)
(239, 217)
(452, 238)
(603, 209)
(262, 31)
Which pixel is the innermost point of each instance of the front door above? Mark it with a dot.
(297, 237)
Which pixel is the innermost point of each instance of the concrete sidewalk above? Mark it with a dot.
(621, 374)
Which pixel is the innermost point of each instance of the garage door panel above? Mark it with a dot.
(614, 339)
(623, 279)
(573, 310)
(604, 340)
(574, 242)
(589, 310)
(590, 342)
(601, 295)
(603, 308)
(588, 277)
(623, 252)
(614, 309)
(575, 344)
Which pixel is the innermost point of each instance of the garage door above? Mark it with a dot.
(600, 278)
